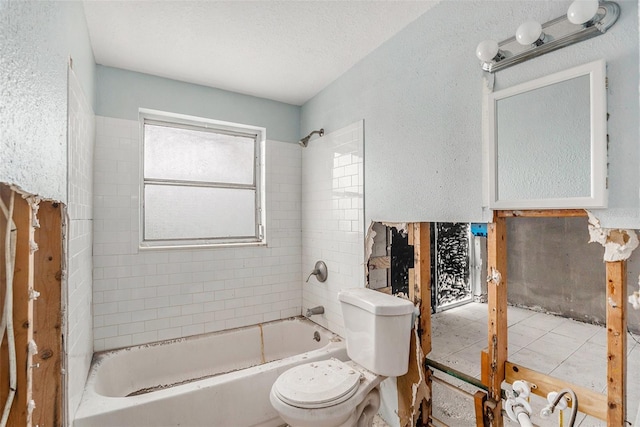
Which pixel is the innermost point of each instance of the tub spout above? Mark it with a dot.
(315, 310)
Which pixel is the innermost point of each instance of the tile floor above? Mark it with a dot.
(564, 348)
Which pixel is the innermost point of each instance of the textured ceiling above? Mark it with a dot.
(282, 50)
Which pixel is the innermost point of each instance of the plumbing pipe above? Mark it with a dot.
(7, 312)
(523, 417)
(555, 401)
(518, 410)
(451, 386)
(521, 388)
(454, 373)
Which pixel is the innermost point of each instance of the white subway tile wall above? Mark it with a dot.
(333, 219)
(150, 295)
(79, 333)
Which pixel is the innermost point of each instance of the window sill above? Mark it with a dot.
(160, 247)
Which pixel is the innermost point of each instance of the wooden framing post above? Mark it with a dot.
(479, 401)
(590, 401)
(422, 283)
(493, 368)
(616, 342)
(47, 377)
(414, 388)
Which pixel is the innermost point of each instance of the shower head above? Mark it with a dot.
(304, 141)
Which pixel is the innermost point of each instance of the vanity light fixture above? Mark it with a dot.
(530, 33)
(582, 11)
(584, 19)
(488, 51)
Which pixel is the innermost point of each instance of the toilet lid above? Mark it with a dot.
(317, 384)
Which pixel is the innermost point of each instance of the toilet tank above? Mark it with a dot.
(377, 330)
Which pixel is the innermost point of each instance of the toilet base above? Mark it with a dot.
(361, 416)
(357, 411)
(367, 409)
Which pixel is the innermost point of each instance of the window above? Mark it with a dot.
(202, 182)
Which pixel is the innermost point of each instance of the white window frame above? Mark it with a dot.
(199, 123)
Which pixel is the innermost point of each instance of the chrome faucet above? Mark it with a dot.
(315, 310)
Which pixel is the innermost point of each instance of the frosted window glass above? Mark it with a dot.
(181, 212)
(193, 155)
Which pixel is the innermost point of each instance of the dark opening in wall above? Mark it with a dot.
(392, 257)
(401, 261)
(450, 260)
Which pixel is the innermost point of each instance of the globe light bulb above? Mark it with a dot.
(528, 32)
(487, 50)
(582, 11)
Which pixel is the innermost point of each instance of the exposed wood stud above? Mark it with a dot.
(616, 342)
(497, 318)
(416, 384)
(493, 359)
(47, 380)
(379, 262)
(484, 367)
(37, 319)
(590, 402)
(405, 387)
(385, 290)
(422, 274)
(479, 401)
(22, 312)
(548, 213)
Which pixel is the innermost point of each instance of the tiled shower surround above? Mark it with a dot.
(332, 219)
(141, 296)
(79, 345)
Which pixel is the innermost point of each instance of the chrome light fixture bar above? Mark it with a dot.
(585, 19)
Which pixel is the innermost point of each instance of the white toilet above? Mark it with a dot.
(332, 393)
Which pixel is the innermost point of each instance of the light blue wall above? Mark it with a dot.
(120, 93)
(420, 95)
(36, 40)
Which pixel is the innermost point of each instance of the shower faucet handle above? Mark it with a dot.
(320, 271)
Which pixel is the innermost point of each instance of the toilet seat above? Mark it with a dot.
(317, 384)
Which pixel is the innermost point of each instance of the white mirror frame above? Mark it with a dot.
(598, 114)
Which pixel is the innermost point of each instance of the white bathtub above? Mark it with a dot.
(219, 379)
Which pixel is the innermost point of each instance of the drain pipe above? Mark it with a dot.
(518, 410)
(523, 417)
(516, 406)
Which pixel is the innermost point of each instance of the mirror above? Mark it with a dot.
(547, 142)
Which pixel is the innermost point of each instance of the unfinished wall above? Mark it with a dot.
(36, 40)
(552, 268)
(145, 296)
(79, 231)
(332, 219)
(420, 94)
